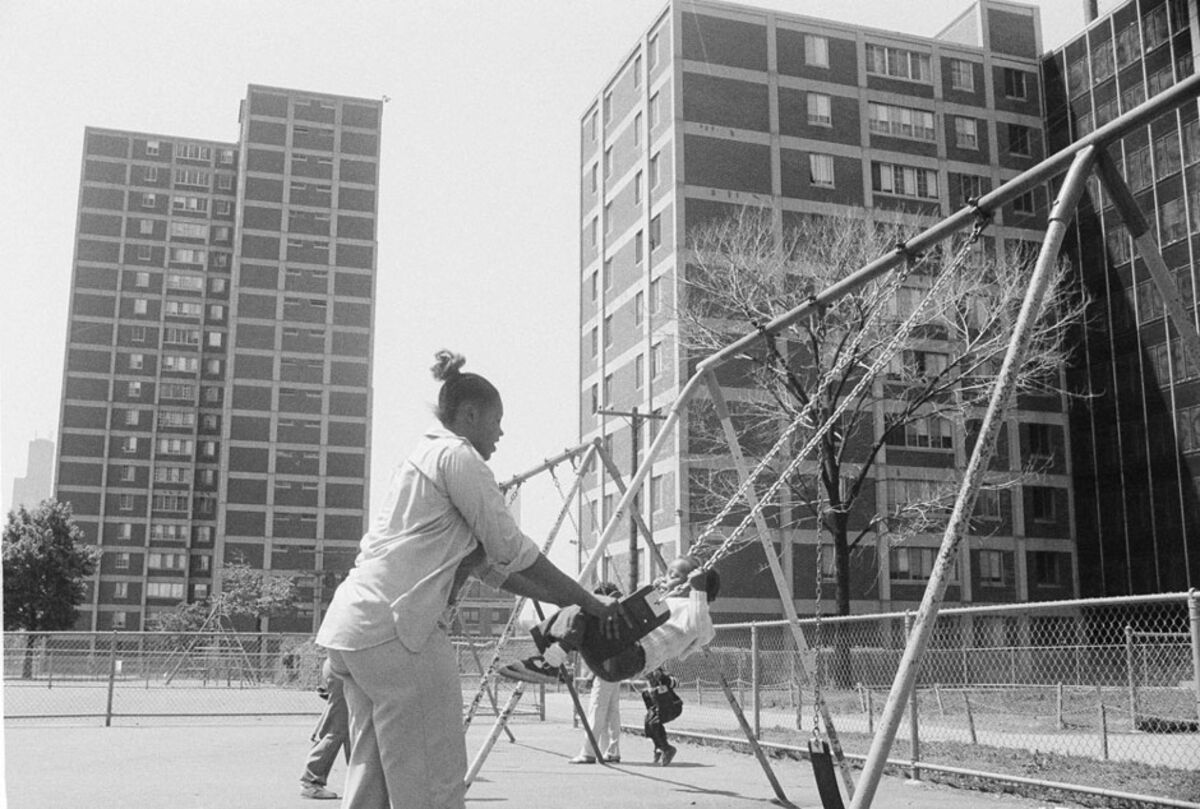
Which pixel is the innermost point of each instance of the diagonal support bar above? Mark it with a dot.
(981, 455)
(1143, 236)
(807, 661)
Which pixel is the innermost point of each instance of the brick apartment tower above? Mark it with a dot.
(216, 392)
(1135, 438)
(718, 106)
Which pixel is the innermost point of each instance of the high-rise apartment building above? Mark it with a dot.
(1135, 433)
(720, 106)
(38, 481)
(216, 392)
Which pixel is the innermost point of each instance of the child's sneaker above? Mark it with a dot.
(531, 670)
(668, 755)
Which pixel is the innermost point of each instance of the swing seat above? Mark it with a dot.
(823, 773)
(647, 610)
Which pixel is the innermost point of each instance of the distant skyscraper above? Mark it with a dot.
(721, 105)
(216, 394)
(38, 482)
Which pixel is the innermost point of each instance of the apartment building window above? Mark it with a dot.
(189, 204)
(149, 200)
(223, 207)
(225, 182)
(1049, 568)
(908, 181)
(120, 619)
(594, 285)
(1117, 242)
(595, 341)
(820, 170)
(134, 390)
(175, 446)
(820, 111)
(608, 397)
(1014, 82)
(1041, 504)
(211, 394)
(1132, 96)
(639, 307)
(183, 255)
(898, 63)
(132, 417)
(654, 170)
(152, 147)
(595, 177)
(1154, 28)
(169, 502)
(189, 230)
(1019, 141)
(137, 362)
(204, 535)
(170, 474)
(194, 151)
(638, 247)
(146, 227)
(637, 129)
(652, 52)
(962, 75)
(141, 280)
(607, 109)
(145, 252)
(966, 132)
(121, 590)
(192, 177)
(995, 568)
(913, 564)
(639, 370)
(608, 274)
(608, 331)
(656, 360)
(140, 306)
(165, 590)
(637, 188)
(930, 432)
(1172, 221)
(594, 125)
(594, 229)
(216, 311)
(129, 444)
(608, 219)
(655, 295)
(987, 505)
(901, 122)
(125, 502)
(816, 50)
(655, 232)
(595, 399)
(128, 475)
(1167, 157)
(1041, 440)
(176, 419)
(655, 110)
(1024, 204)
(637, 71)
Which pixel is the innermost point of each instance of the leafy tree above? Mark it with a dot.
(247, 594)
(45, 564)
(745, 271)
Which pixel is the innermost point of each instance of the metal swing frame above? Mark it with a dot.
(1078, 160)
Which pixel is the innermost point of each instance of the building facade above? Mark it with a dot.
(216, 390)
(1135, 429)
(720, 106)
(38, 481)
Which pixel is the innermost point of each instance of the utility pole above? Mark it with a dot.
(635, 426)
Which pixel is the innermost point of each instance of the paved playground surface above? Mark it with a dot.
(249, 763)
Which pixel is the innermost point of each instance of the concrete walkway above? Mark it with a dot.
(255, 764)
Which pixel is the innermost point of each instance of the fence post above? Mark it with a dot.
(937, 692)
(755, 692)
(970, 718)
(1103, 733)
(1059, 695)
(112, 678)
(870, 712)
(915, 771)
(1194, 615)
(1131, 676)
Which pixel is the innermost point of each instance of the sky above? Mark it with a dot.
(479, 175)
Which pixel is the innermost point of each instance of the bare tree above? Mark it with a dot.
(744, 271)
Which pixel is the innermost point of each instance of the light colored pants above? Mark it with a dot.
(407, 749)
(604, 715)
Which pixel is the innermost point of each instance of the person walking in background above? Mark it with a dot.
(442, 520)
(603, 710)
(331, 736)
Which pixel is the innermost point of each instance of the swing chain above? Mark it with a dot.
(816, 644)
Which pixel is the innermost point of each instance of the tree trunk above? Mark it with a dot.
(27, 663)
(841, 670)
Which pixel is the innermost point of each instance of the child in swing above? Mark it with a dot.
(687, 629)
(662, 705)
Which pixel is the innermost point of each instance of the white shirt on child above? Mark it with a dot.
(687, 630)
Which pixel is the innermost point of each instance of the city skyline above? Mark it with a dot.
(487, 189)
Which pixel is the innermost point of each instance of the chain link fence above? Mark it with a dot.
(1069, 692)
(143, 675)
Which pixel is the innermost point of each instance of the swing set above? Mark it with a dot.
(1078, 161)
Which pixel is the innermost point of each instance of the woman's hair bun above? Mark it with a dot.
(447, 365)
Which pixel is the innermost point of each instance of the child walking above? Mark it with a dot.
(662, 705)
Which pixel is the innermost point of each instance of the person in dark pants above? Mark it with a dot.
(330, 736)
(662, 706)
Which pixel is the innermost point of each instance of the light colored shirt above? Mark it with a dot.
(683, 634)
(443, 517)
